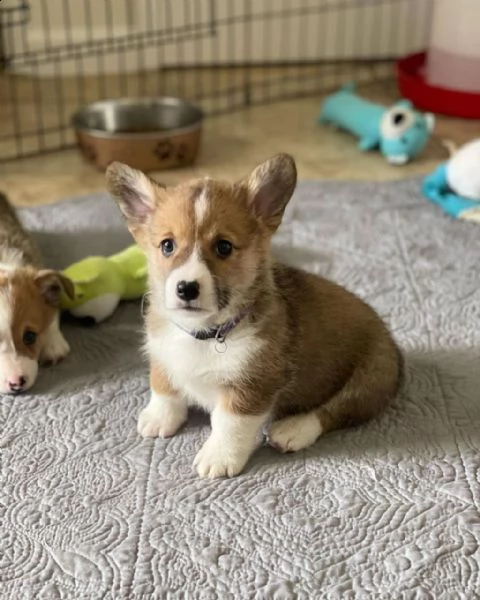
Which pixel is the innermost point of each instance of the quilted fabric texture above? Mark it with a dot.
(88, 510)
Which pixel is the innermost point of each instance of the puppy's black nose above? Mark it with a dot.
(188, 290)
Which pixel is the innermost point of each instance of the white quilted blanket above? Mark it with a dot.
(88, 510)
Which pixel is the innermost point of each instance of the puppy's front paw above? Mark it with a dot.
(55, 349)
(159, 424)
(215, 460)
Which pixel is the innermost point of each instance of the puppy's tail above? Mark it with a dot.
(13, 236)
(9, 220)
(6, 205)
(3, 198)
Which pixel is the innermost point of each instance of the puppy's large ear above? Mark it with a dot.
(51, 283)
(133, 191)
(270, 187)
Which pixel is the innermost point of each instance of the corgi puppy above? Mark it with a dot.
(255, 343)
(29, 301)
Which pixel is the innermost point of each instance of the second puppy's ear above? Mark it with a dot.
(51, 284)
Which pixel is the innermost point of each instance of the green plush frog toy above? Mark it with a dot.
(102, 282)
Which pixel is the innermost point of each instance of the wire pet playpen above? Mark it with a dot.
(56, 55)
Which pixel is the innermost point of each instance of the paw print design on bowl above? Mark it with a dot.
(182, 153)
(164, 150)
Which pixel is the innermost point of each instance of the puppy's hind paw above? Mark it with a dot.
(294, 433)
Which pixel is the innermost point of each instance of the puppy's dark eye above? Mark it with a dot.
(29, 337)
(167, 246)
(223, 248)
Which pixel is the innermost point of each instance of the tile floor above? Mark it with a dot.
(233, 143)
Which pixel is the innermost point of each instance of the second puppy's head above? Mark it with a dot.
(207, 241)
(29, 302)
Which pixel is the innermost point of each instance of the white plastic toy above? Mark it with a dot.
(455, 184)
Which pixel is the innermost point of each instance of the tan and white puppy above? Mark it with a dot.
(29, 301)
(252, 342)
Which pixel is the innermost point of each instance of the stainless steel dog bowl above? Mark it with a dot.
(145, 133)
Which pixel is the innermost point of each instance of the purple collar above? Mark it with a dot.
(220, 332)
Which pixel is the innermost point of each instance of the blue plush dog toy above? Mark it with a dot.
(400, 132)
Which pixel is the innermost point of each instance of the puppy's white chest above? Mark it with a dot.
(198, 369)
